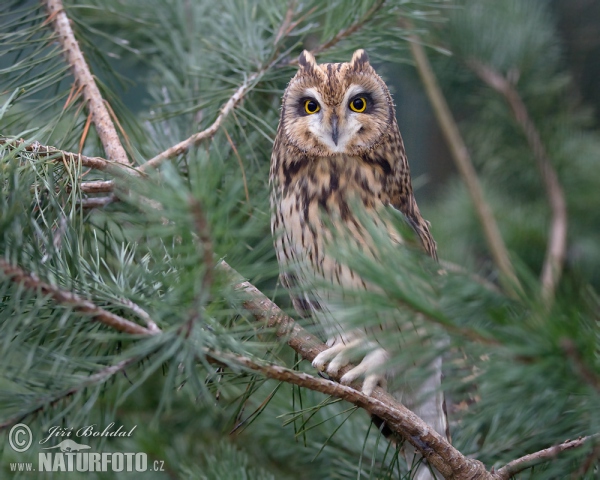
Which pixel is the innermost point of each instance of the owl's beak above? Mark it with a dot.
(334, 129)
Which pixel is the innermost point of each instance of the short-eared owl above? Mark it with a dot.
(338, 145)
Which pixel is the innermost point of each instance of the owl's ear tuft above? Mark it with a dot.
(360, 60)
(307, 61)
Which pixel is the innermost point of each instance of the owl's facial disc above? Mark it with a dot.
(335, 125)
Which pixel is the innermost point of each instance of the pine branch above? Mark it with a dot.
(557, 243)
(309, 346)
(44, 151)
(32, 282)
(99, 377)
(100, 115)
(449, 461)
(439, 453)
(528, 461)
(460, 154)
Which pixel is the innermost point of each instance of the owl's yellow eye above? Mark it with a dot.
(310, 107)
(358, 105)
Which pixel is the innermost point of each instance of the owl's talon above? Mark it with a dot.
(326, 356)
(341, 354)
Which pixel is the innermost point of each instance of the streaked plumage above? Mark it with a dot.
(338, 143)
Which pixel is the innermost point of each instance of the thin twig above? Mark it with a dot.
(32, 282)
(205, 246)
(285, 26)
(141, 313)
(528, 461)
(461, 157)
(185, 145)
(557, 241)
(100, 115)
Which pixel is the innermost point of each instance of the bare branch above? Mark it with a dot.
(528, 461)
(31, 282)
(100, 115)
(557, 242)
(463, 162)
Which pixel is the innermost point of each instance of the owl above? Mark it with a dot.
(337, 146)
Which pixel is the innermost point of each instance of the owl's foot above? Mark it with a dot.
(341, 354)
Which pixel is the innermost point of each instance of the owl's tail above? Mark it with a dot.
(426, 401)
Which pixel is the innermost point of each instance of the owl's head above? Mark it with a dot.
(336, 108)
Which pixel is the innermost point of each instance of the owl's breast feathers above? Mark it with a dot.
(312, 195)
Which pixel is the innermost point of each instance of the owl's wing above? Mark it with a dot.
(389, 158)
(420, 227)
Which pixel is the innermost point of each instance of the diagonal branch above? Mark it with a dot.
(528, 461)
(438, 451)
(557, 243)
(185, 145)
(32, 282)
(98, 111)
(460, 154)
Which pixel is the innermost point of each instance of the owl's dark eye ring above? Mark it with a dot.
(311, 106)
(358, 105)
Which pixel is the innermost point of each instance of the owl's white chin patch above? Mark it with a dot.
(325, 138)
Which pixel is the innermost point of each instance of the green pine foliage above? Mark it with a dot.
(521, 374)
